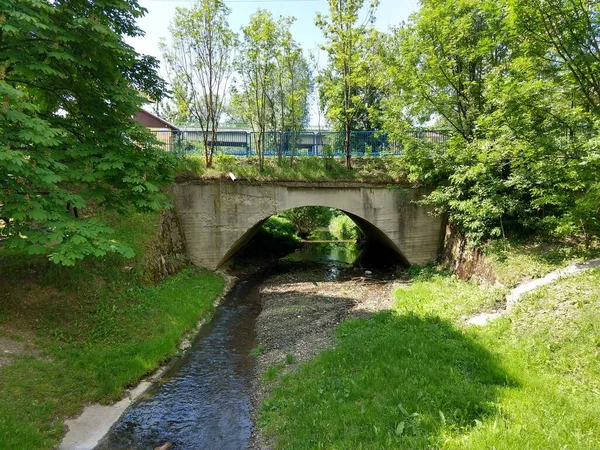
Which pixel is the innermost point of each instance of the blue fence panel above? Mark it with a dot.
(303, 143)
(192, 141)
(232, 143)
(330, 143)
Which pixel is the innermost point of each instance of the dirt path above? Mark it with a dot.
(300, 310)
(515, 295)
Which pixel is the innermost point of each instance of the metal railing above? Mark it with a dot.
(303, 143)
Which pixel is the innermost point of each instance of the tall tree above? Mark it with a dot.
(549, 106)
(293, 87)
(345, 36)
(515, 79)
(256, 67)
(568, 33)
(274, 82)
(441, 60)
(200, 63)
(369, 92)
(70, 86)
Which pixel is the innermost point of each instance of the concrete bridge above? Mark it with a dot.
(219, 217)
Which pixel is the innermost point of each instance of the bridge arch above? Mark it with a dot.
(370, 231)
(220, 216)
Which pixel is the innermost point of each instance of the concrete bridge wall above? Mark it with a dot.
(219, 217)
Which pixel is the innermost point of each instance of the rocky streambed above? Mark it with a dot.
(300, 308)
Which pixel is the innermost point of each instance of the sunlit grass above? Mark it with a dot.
(418, 377)
(306, 168)
(514, 261)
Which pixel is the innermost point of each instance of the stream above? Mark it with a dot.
(205, 400)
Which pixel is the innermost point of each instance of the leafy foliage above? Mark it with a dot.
(343, 228)
(200, 64)
(306, 219)
(70, 86)
(279, 226)
(274, 81)
(514, 80)
(346, 80)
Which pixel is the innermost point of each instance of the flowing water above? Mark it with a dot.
(204, 401)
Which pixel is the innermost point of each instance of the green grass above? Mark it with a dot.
(375, 169)
(257, 351)
(97, 328)
(418, 378)
(514, 261)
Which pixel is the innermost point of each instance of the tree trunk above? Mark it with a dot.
(347, 146)
(213, 142)
(206, 148)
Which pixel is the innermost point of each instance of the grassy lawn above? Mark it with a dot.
(418, 378)
(91, 331)
(514, 260)
(306, 168)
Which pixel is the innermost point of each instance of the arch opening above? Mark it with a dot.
(377, 248)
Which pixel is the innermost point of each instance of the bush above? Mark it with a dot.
(276, 238)
(279, 226)
(343, 228)
(308, 218)
(224, 163)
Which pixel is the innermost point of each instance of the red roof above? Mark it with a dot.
(150, 120)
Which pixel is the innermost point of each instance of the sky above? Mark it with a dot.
(160, 13)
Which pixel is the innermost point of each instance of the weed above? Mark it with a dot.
(257, 351)
(272, 372)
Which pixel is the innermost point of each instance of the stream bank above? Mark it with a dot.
(301, 305)
(274, 317)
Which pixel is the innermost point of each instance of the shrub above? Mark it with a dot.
(279, 226)
(307, 218)
(224, 163)
(343, 228)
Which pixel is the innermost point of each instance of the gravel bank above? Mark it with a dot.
(300, 310)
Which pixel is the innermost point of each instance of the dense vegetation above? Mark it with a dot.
(342, 228)
(70, 87)
(87, 331)
(515, 81)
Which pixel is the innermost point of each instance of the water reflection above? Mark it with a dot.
(345, 252)
(204, 401)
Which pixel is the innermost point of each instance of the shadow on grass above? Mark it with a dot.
(391, 382)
